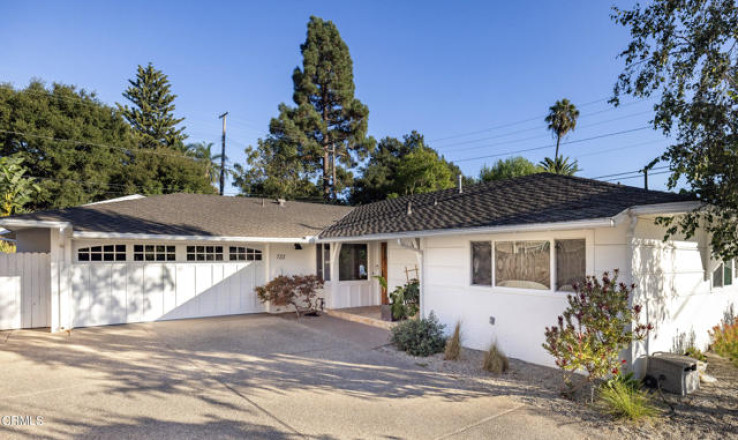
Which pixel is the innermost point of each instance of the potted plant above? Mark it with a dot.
(386, 309)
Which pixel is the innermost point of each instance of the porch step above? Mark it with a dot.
(337, 313)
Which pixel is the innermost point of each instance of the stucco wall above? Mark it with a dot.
(520, 316)
(398, 259)
(674, 284)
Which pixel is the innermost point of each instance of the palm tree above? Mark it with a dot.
(560, 165)
(203, 151)
(561, 119)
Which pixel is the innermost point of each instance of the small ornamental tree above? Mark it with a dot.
(299, 291)
(596, 326)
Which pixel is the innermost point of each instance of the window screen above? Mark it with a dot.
(571, 264)
(353, 262)
(150, 252)
(481, 263)
(204, 253)
(523, 264)
(240, 253)
(110, 252)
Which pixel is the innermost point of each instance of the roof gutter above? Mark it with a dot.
(11, 224)
(167, 237)
(667, 208)
(607, 222)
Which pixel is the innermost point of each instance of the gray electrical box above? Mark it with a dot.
(674, 373)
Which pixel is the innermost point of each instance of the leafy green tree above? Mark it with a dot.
(63, 135)
(152, 112)
(422, 171)
(384, 173)
(276, 171)
(561, 119)
(559, 166)
(326, 113)
(511, 167)
(80, 150)
(16, 190)
(685, 53)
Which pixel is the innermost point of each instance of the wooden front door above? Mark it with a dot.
(385, 298)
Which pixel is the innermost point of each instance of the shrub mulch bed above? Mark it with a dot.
(711, 413)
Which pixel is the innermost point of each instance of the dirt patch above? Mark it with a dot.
(711, 413)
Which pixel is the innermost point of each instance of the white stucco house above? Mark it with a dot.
(500, 257)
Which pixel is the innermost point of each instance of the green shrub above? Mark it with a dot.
(453, 345)
(419, 337)
(621, 401)
(597, 325)
(628, 380)
(695, 353)
(725, 340)
(405, 300)
(495, 360)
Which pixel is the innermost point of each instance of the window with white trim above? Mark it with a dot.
(723, 274)
(353, 262)
(154, 252)
(523, 264)
(529, 264)
(204, 253)
(481, 263)
(323, 260)
(108, 252)
(242, 253)
(571, 264)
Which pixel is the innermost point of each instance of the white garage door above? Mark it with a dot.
(116, 293)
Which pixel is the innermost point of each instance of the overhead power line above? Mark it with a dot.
(543, 147)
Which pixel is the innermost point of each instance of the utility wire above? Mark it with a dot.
(543, 147)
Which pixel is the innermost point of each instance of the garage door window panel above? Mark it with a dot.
(150, 252)
(204, 253)
(108, 252)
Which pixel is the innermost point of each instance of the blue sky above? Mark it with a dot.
(465, 74)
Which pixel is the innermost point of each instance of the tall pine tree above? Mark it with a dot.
(326, 115)
(152, 112)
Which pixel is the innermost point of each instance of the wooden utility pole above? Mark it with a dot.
(645, 178)
(222, 154)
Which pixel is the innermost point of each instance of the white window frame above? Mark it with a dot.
(115, 252)
(587, 236)
(320, 263)
(721, 266)
(218, 249)
(155, 252)
(248, 253)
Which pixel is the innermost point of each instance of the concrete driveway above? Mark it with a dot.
(253, 376)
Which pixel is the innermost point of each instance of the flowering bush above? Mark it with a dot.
(299, 291)
(596, 326)
(725, 340)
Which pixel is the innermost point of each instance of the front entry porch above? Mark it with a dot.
(367, 315)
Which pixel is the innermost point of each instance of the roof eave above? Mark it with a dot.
(13, 224)
(672, 208)
(605, 222)
(167, 237)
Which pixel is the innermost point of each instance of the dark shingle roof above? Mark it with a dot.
(538, 198)
(197, 214)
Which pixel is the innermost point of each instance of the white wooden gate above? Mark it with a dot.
(116, 293)
(25, 290)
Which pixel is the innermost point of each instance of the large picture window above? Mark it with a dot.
(353, 262)
(523, 264)
(571, 264)
(109, 252)
(481, 263)
(323, 261)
